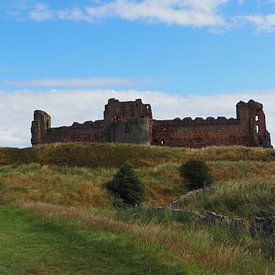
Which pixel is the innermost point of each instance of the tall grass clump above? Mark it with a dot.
(126, 187)
(196, 174)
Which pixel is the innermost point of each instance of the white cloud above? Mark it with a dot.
(194, 13)
(65, 107)
(77, 82)
(261, 21)
(41, 12)
(179, 12)
(74, 14)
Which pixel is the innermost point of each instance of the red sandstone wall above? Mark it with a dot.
(197, 136)
(89, 131)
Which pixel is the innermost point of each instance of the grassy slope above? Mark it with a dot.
(114, 155)
(33, 244)
(50, 239)
(243, 189)
(73, 175)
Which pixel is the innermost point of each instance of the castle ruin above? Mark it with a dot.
(132, 122)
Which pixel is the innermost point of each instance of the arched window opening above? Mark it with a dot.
(257, 118)
(257, 129)
(162, 142)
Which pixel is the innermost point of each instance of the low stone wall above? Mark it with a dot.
(263, 227)
(174, 204)
(212, 218)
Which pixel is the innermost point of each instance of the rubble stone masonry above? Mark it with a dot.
(132, 122)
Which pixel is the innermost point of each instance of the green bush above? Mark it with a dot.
(196, 174)
(126, 187)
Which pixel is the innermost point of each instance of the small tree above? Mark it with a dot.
(126, 186)
(196, 173)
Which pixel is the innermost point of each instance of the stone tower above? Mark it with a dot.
(40, 124)
(128, 122)
(253, 124)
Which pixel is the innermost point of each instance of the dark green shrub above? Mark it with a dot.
(196, 174)
(126, 187)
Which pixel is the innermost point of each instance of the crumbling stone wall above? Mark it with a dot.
(263, 227)
(132, 122)
(88, 131)
(198, 133)
(248, 129)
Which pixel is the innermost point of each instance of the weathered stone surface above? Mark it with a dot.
(263, 226)
(175, 204)
(132, 122)
(213, 219)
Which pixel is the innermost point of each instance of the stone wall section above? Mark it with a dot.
(197, 133)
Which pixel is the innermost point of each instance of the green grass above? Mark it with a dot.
(239, 198)
(83, 187)
(31, 244)
(48, 236)
(173, 248)
(115, 155)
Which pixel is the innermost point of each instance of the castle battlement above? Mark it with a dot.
(188, 121)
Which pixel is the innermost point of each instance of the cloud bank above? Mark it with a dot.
(65, 107)
(263, 22)
(180, 12)
(188, 13)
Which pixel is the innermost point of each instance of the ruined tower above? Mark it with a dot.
(41, 123)
(128, 122)
(253, 124)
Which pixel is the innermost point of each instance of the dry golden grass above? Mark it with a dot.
(115, 155)
(84, 187)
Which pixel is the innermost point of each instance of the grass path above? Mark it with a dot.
(192, 247)
(31, 244)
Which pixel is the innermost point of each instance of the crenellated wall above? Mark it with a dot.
(198, 133)
(248, 129)
(132, 122)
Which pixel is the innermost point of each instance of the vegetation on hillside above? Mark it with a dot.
(126, 187)
(116, 155)
(54, 197)
(196, 174)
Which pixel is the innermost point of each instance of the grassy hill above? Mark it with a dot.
(114, 155)
(56, 210)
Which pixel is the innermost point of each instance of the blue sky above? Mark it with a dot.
(175, 48)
